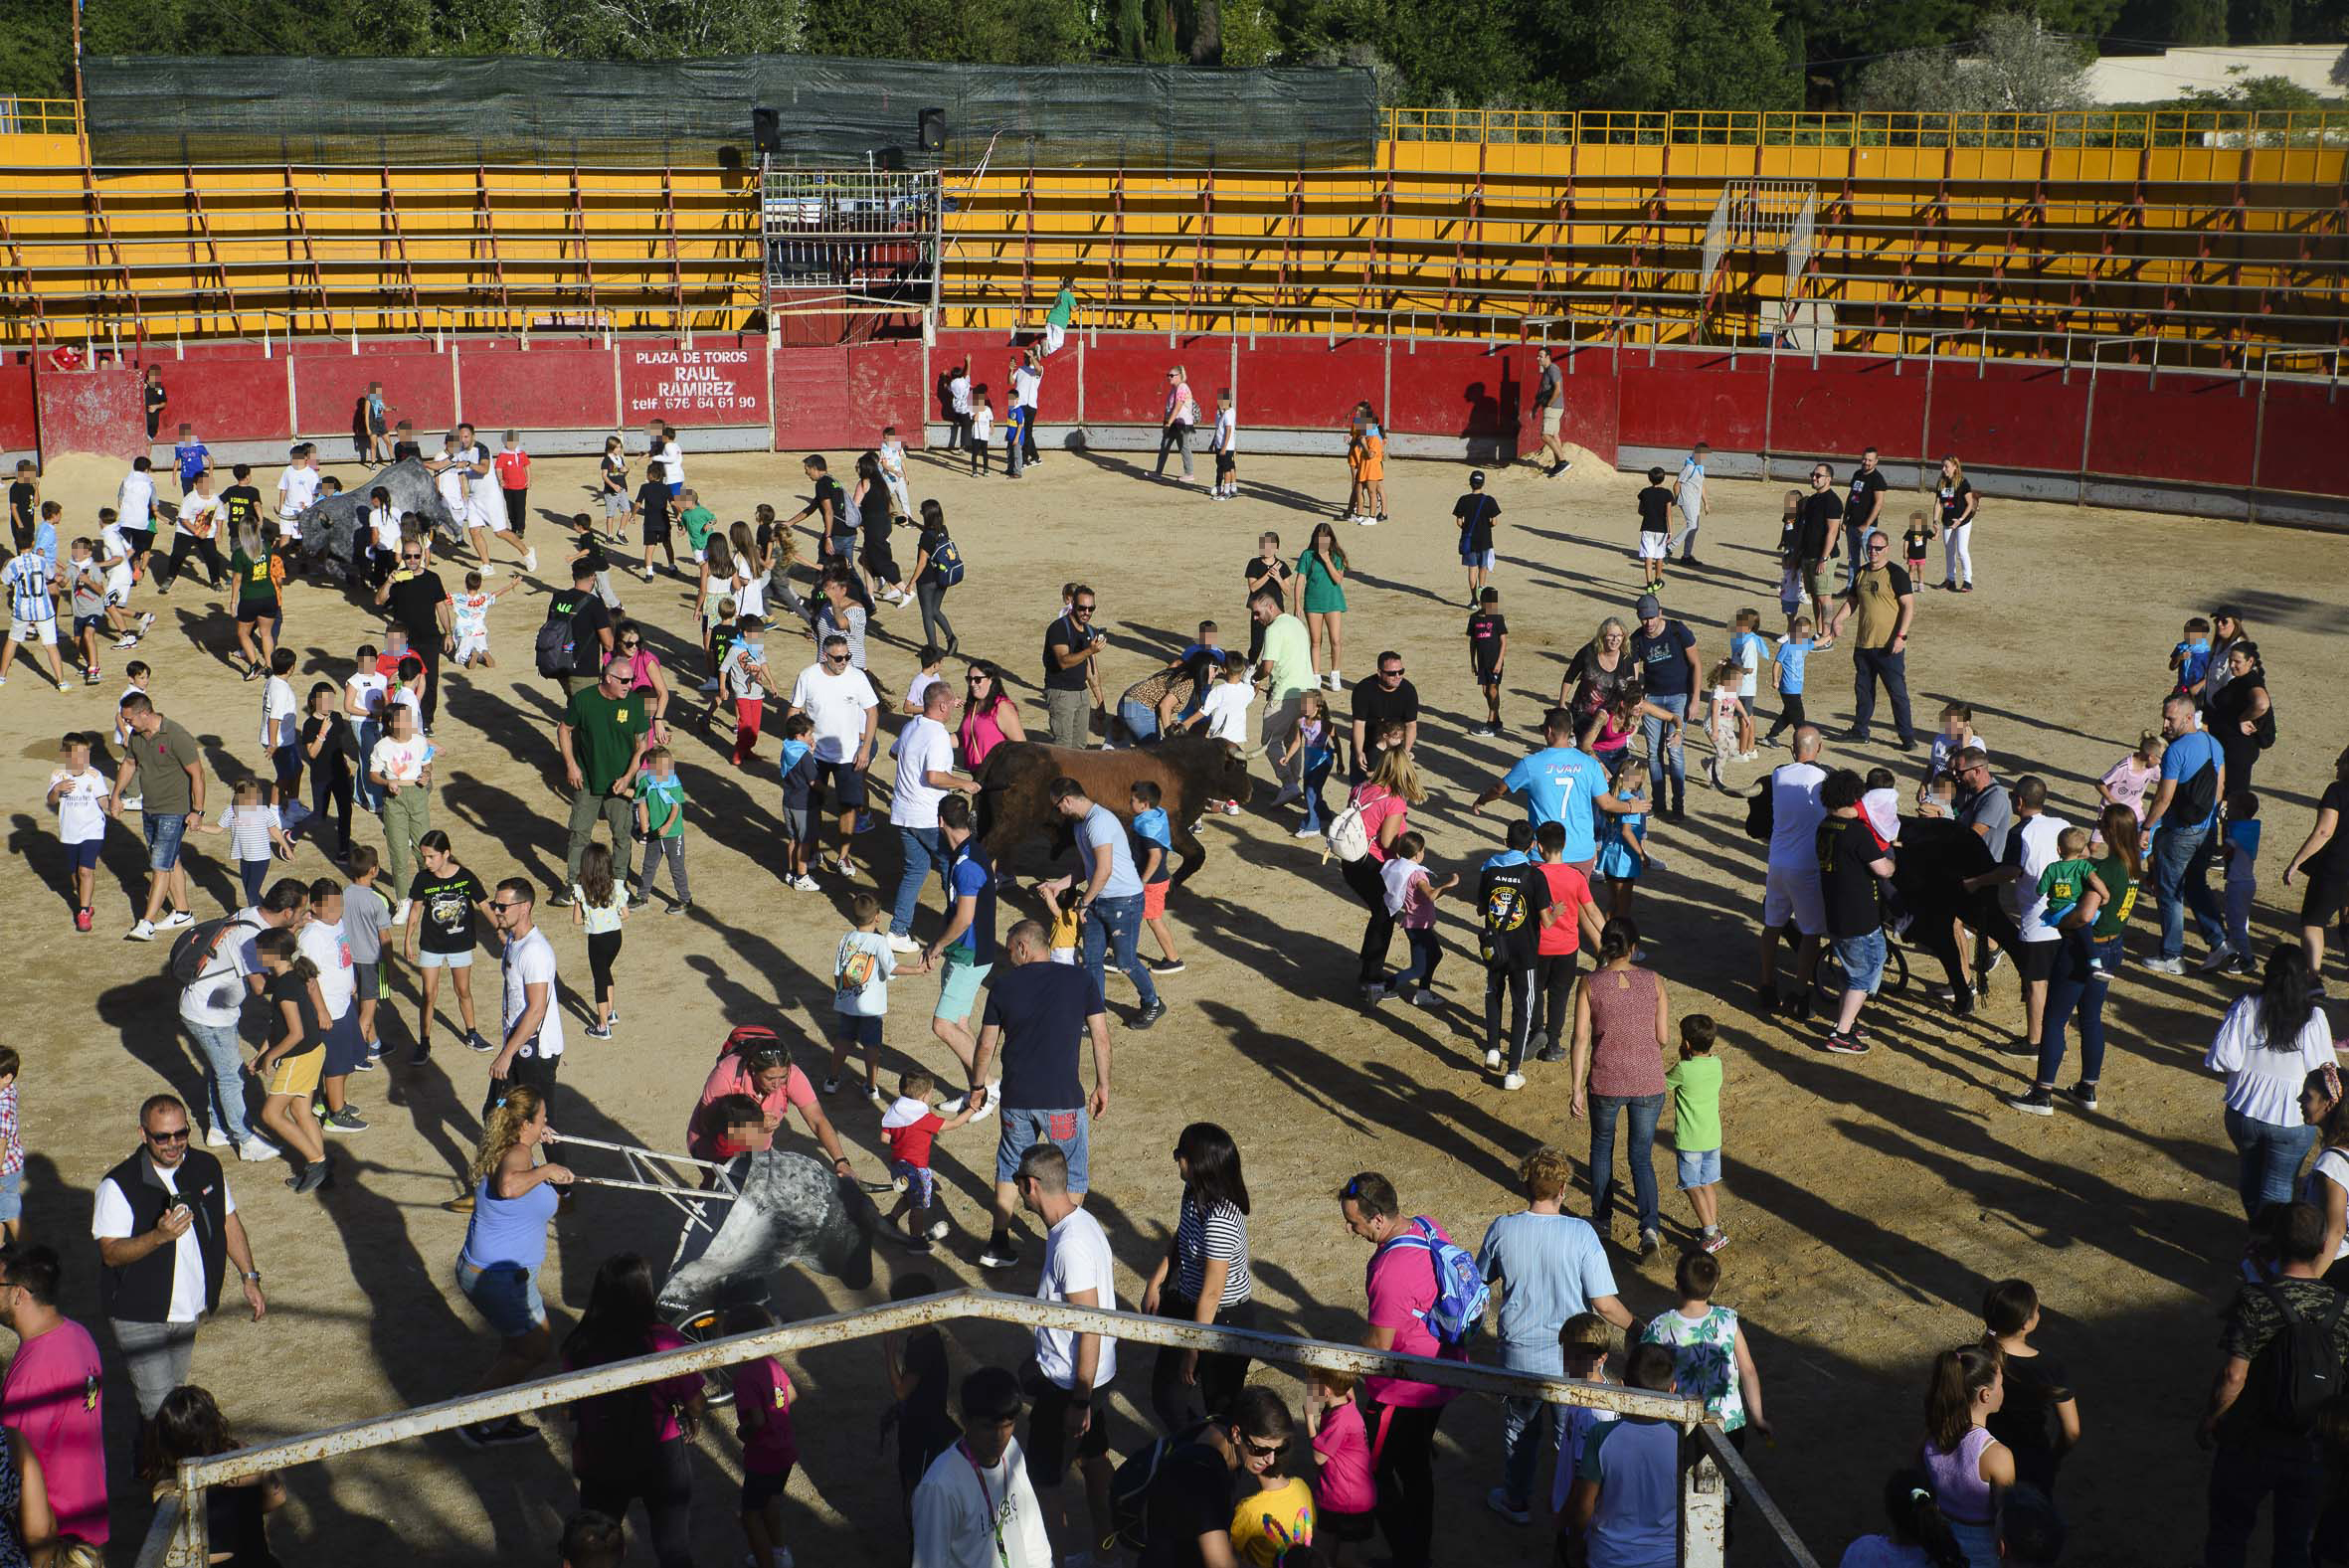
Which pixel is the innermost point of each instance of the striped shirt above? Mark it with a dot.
(1202, 1234)
(29, 598)
(251, 830)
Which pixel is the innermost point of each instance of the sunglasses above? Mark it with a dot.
(1390, 674)
(1082, 610)
(506, 903)
(1879, 548)
(631, 642)
(412, 560)
(175, 1135)
(1258, 1449)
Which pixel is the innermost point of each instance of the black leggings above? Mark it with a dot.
(667, 1488)
(1553, 982)
(602, 947)
(1379, 935)
(331, 788)
(1178, 1405)
(931, 597)
(427, 648)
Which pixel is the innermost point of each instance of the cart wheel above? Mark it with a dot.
(699, 1325)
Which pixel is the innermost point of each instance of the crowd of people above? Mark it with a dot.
(1956, 861)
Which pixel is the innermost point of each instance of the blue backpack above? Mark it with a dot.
(1461, 1294)
(946, 561)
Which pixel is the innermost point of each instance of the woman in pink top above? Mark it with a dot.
(1387, 799)
(1182, 411)
(1968, 1466)
(627, 647)
(989, 716)
(1622, 1021)
(634, 1443)
(761, 1068)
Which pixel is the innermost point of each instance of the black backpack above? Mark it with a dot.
(1129, 1489)
(2198, 795)
(1761, 809)
(193, 953)
(2304, 1370)
(555, 654)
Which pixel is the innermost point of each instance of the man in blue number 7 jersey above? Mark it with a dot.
(1563, 784)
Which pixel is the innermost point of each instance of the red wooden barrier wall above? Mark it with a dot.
(2120, 423)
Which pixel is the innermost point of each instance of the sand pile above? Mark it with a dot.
(1591, 474)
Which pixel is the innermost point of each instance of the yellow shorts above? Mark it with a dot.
(298, 1074)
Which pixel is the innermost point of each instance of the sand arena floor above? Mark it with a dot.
(1869, 1201)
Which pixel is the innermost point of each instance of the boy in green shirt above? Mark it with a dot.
(1696, 1081)
(660, 824)
(698, 521)
(2067, 880)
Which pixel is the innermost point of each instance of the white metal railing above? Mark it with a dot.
(177, 1538)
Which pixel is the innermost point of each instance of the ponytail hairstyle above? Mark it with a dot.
(1958, 1376)
(503, 1129)
(2325, 1083)
(720, 555)
(1618, 939)
(278, 944)
(2125, 838)
(1915, 1515)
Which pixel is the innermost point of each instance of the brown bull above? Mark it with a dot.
(1190, 771)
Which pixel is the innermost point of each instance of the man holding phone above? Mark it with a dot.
(165, 1227)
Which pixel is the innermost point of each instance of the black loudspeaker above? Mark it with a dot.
(766, 131)
(932, 126)
(889, 159)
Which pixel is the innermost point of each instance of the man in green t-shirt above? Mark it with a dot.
(601, 738)
(1057, 319)
(1285, 667)
(698, 521)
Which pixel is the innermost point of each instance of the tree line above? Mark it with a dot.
(1514, 54)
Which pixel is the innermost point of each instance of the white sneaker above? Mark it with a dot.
(177, 918)
(216, 1137)
(2215, 959)
(530, 558)
(807, 884)
(400, 915)
(899, 943)
(257, 1149)
(1306, 832)
(1231, 809)
(487, 569)
(1365, 522)
(1514, 1081)
(2161, 966)
(144, 931)
(1493, 1059)
(994, 1100)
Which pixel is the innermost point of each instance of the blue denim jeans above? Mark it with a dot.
(1528, 1426)
(2268, 1160)
(2181, 882)
(225, 1066)
(1318, 763)
(1661, 760)
(1115, 924)
(2077, 988)
(1645, 1109)
(924, 848)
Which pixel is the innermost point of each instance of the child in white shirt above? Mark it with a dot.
(861, 994)
(892, 453)
(983, 433)
(256, 832)
(77, 793)
(1224, 445)
(469, 617)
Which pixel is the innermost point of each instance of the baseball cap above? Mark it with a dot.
(1649, 605)
(1476, 478)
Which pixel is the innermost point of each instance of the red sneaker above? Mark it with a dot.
(81, 919)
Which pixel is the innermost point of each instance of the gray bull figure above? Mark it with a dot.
(792, 1209)
(334, 524)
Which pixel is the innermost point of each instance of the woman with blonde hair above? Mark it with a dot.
(505, 1247)
(1182, 411)
(1958, 502)
(1385, 798)
(1598, 673)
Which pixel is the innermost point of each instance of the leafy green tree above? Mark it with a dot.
(2014, 64)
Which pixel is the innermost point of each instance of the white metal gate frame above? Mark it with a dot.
(178, 1538)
